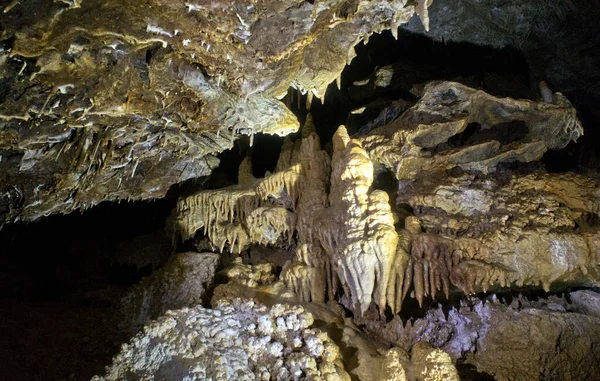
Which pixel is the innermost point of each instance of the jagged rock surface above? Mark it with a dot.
(526, 340)
(112, 101)
(237, 340)
(475, 230)
(491, 227)
(432, 136)
(331, 240)
(182, 282)
(537, 229)
(547, 32)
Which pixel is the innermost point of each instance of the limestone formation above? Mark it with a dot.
(454, 126)
(522, 340)
(119, 101)
(183, 282)
(400, 246)
(360, 240)
(237, 340)
(328, 248)
(248, 275)
(472, 231)
(536, 230)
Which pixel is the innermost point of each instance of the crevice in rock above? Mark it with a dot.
(412, 60)
(264, 153)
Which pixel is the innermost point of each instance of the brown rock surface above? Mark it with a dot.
(112, 100)
(183, 282)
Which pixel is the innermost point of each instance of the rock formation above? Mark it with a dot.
(400, 244)
(237, 340)
(509, 341)
(474, 230)
(183, 282)
(122, 103)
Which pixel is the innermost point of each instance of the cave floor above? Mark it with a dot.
(71, 338)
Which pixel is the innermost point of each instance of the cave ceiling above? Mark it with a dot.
(119, 101)
(111, 101)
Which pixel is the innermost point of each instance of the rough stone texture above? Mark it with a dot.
(332, 242)
(489, 232)
(453, 125)
(430, 363)
(237, 340)
(182, 282)
(111, 100)
(559, 39)
(476, 226)
(585, 302)
(522, 340)
(548, 32)
(249, 276)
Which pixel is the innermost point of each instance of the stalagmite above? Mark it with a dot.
(345, 233)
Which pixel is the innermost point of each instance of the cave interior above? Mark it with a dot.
(66, 276)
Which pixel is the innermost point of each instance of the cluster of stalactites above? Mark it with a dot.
(310, 274)
(237, 216)
(260, 211)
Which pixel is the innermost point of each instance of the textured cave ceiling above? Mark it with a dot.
(420, 176)
(106, 101)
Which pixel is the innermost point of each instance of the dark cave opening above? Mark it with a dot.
(61, 252)
(61, 282)
(264, 153)
(415, 60)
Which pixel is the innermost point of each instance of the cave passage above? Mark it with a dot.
(80, 264)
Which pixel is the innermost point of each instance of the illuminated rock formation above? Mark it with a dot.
(119, 101)
(518, 339)
(454, 126)
(468, 232)
(237, 340)
(530, 230)
(360, 239)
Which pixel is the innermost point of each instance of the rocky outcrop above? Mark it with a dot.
(536, 230)
(475, 226)
(330, 228)
(521, 340)
(547, 33)
(454, 126)
(183, 282)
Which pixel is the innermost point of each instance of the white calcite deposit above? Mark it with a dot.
(237, 340)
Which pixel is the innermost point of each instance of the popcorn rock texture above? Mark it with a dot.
(237, 340)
